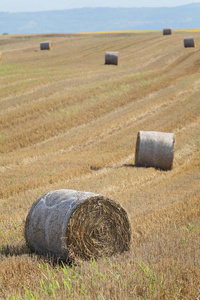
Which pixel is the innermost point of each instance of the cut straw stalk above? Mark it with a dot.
(154, 149)
(68, 223)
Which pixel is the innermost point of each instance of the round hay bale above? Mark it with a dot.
(71, 224)
(167, 31)
(154, 149)
(111, 58)
(45, 46)
(189, 42)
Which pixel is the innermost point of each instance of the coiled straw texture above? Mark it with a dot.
(73, 224)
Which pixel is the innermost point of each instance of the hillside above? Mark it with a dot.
(100, 19)
(70, 121)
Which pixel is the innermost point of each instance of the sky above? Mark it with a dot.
(43, 5)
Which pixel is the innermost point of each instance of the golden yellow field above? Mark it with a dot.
(70, 121)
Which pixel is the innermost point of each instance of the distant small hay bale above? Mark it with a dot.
(189, 42)
(45, 46)
(111, 58)
(167, 31)
(154, 149)
(74, 224)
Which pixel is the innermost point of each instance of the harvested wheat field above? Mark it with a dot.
(68, 121)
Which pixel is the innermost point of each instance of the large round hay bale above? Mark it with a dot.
(167, 31)
(45, 46)
(154, 149)
(111, 58)
(70, 224)
(189, 42)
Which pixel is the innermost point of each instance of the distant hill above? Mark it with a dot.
(100, 19)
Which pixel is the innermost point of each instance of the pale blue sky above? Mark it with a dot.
(42, 5)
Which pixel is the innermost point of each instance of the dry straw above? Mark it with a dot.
(189, 42)
(73, 224)
(154, 149)
(111, 58)
(45, 46)
(167, 31)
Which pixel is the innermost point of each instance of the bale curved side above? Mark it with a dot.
(69, 223)
(167, 31)
(189, 42)
(154, 149)
(45, 45)
(111, 58)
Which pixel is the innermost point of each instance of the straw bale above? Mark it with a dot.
(111, 58)
(189, 42)
(71, 224)
(167, 31)
(154, 149)
(45, 45)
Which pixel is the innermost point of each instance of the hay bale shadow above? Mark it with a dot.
(97, 168)
(20, 250)
(14, 250)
